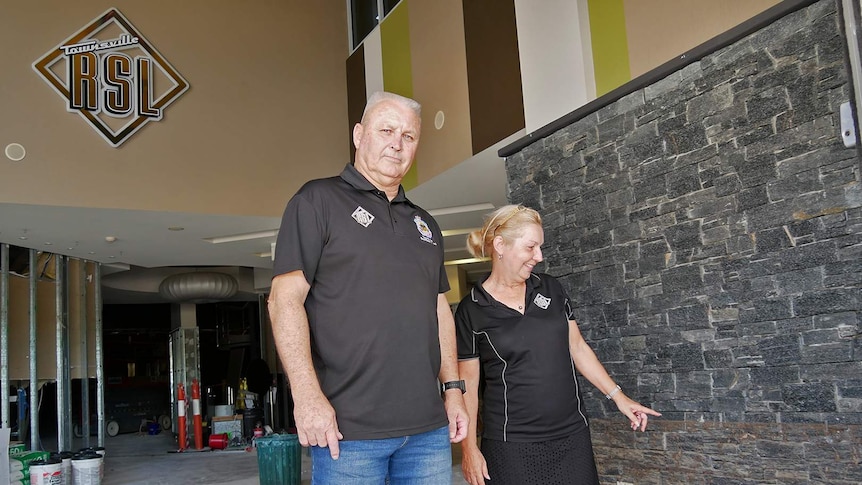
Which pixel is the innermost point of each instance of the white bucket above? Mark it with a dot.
(223, 410)
(87, 469)
(46, 472)
(66, 459)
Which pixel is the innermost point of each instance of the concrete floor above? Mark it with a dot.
(143, 459)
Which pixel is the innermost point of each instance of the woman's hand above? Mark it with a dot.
(637, 413)
(473, 466)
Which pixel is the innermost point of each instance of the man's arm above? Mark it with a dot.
(315, 417)
(453, 400)
(473, 463)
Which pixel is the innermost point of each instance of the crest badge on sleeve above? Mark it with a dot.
(424, 230)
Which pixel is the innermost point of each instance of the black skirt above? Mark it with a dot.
(566, 461)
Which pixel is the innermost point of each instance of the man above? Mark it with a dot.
(359, 316)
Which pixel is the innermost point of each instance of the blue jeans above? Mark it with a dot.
(422, 459)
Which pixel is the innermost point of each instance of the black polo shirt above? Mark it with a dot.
(375, 270)
(531, 388)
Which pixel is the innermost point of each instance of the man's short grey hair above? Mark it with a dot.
(379, 96)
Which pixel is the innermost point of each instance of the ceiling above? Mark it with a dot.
(138, 249)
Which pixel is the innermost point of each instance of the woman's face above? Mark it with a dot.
(524, 253)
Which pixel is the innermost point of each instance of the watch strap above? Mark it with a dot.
(455, 385)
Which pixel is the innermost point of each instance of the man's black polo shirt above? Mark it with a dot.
(531, 389)
(375, 270)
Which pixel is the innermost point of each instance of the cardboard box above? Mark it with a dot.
(232, 425)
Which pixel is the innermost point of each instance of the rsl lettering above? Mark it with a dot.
(118, 86)
(83, 82)
(145, 89)
(115, 83)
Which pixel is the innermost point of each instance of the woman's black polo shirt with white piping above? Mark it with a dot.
(531, 388)
(375, 270)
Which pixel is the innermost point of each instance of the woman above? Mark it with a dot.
(518, 326)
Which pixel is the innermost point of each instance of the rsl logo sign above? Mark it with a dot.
(111, 76)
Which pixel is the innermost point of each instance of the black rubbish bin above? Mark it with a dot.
(250, 419)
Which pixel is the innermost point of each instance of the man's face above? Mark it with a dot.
(386, 143)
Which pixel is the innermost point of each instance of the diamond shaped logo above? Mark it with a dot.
(112, 77)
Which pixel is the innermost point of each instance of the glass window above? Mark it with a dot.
(388, 5)
(363, 14)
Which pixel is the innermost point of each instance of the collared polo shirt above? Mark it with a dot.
(531, 386)
(375, 268)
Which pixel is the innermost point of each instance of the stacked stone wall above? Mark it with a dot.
(709, 230)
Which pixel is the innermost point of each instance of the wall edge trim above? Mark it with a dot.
(691, 56)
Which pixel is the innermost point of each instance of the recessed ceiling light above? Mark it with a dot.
(461, 209)
(439, 119)
(242, 237)
(176, 228)
(92, 252)
(15, 152)
(459, 232)
(48, 243)
(23, 238)
(455, 262)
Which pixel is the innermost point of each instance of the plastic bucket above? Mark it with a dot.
(48, 471)
(279, 459)
(66, 459)
(87, 468)
(100, 450)
(219, 441)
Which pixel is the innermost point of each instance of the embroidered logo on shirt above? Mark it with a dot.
(427, 235)
(542, 301)
(362, 216)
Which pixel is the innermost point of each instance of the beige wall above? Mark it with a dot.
(46, 325)
(660, 30)
(19, 330)
(440, 84)
(266, 110)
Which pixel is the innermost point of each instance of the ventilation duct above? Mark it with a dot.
(198, 287)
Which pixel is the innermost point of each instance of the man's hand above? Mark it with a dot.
(316, 425)
(456, 411)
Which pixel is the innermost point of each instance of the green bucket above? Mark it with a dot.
(279, 459)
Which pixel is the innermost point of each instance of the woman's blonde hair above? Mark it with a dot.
(507, 221)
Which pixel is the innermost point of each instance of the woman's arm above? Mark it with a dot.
(472, 463)
(589, 366)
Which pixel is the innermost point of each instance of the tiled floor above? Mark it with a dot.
(152, 460)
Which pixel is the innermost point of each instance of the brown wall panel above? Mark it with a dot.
(356, 96)
(440, 83)
(660, 30)
(493, 71)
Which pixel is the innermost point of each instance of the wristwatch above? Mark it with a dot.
(454, 385)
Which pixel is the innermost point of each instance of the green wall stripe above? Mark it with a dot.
(610, 44)
(397, 70)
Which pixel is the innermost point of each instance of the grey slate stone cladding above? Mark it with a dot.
(709, 230)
